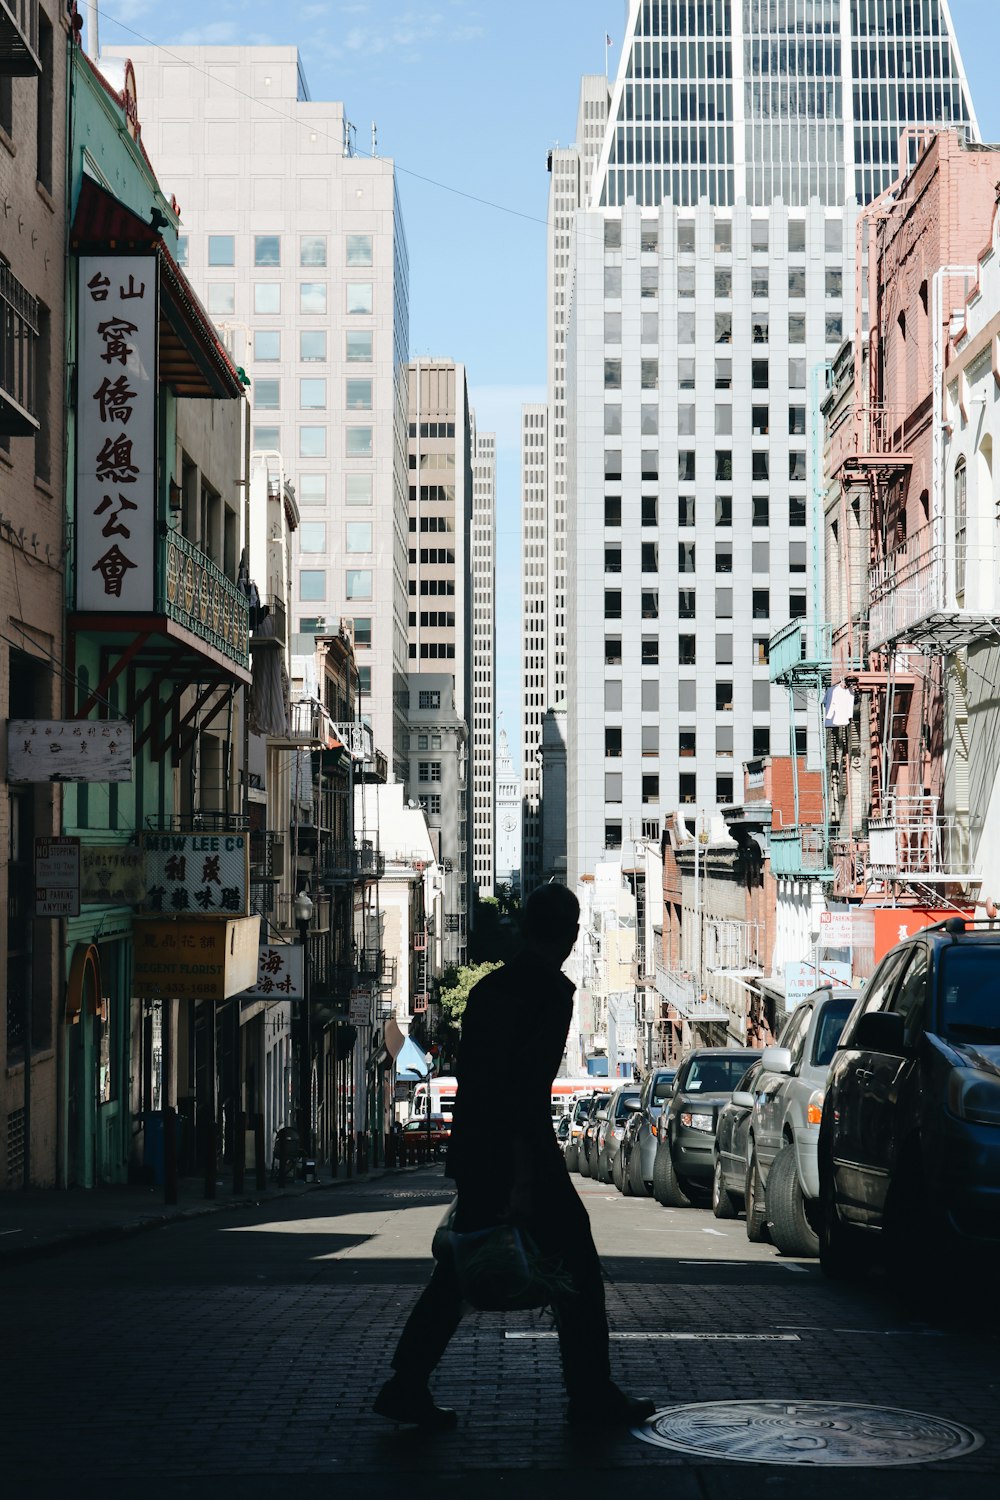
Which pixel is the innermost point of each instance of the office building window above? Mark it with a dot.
(362, 630)
(359, 536)
(687, 788)
(359, 250)
(761, 604)
(267, 250)
(686, 604)
(312, 583)
(612, 559)
(359, 298)
(612, 786)
(723, 650)
(650, 694)
(612, 281)
(612, 742)
(358, 489)
(761, 509)
(266, 438)
(612, 374)
(267, 297)
(648, 557)
(685, 557)
(796, 606)
(761, 740)
(182, 246)
(723, 697)
(312, 442)
(687, 695)
(266, 344)
(312, 394)
(221, 297)
(612, 835)
(359, 442)
(359, 347)
(685, 466)
(312, 345)
(650, 651)
(312, 536)
(760, 653)
(312, 297)
(612, 604)
(613, 419)
(724, 463)
(358, 395)
(723, 557)
(724, 739)
(648, 507)
(429, 698)
(650, 739)
(311, 489)
(723, 604)
(797, 282)
(266, 395)
(612, 327)
(686, 374)
(312, 250)
(612, 510)
(358, 583)
(724, 790)
(723, 510)
(651, 788)
(760, 470)
(221, 250)
(429, 770)
(613, 650)
(365, 681)
(686, 650)
(685, 510)
(613, 695)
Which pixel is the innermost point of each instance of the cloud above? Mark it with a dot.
(216, 33)
(405, 32)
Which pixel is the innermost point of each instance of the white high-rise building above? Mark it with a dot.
(484, 492)
(711, 273)
(296, 246)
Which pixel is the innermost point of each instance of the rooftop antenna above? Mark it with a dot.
(374, 140)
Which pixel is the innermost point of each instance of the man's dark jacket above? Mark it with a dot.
(513, 1039)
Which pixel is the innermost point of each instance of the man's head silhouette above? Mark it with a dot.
(551, 920)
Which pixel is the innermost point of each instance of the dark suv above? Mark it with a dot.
(909, 1143)
(685, 1137)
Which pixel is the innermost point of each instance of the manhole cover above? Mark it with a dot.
(833, 1433)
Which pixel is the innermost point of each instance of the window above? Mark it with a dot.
(685, 236)
(724, 790)
(649, 374)
(359, 536)
(650, 651)
(685, 465)
(761, 695)
(266, 395)
(761, 330)
(221, 297)
(686, 369)
(359, 442)
(686, 604)
(723, 650)
(612, 510)
(312, 583)
(796, 235)
(612, 742)
(761, 740)
(612, 835)
(685, 328)
(723, 234)
(961, 526)
(266, 437)
(724, 423)
(797, 421)
(685, 421)
(358, 583)
(613, 695)
(724, 328)
(760, 561)
(612, 281)
(359, 347)
(649, 327)
(724, 740)
(362, 630)
(761, 604)
(723, 282)
(221, 250)
(834, 236)
(612, 786)
(359, 250)
(723, 697)
(182, 243)
(685, 281)
(796, 328)
(761, 650)
(796, 281)
(761, 507)
(834, 324)
(266, 344)
(687, 788)
(612, 374)
(649, 282)
(758, 374)
(758, 234)
(724, 464)
(723, 604)
(612, 604)
(649, 420)
(687, 695)
(649, 238)
(267, 296)
(797, 374)
(649, 510)
(266, 250)
(796, 510)
(359, 489)
(312, 250)
(358, 395)
(312, 297)
(612, 559)
(649, 463)
(796, 557)
(612, 234)
(613, 419)
(650, 697)
(429, 698)
(796, 606)
(648, 557)
(685, 557)
(650, 739)
(797, 467)
(312, 345)
(685, 650)
(312, 536)
(311, 489)
(758, 283)
(649, 601)
(759, 472)
(724, 557)
(612, 327)
(685, 510)
(429, 770)
(723, 374)
(651, 788)
(365, 681)
(312, 442)
(759, 420)
(359, 297)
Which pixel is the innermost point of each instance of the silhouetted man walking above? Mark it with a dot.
(518, 1172)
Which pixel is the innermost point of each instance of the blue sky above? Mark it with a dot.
(471, 94)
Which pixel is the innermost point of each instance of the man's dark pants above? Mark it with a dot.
(559, 1225)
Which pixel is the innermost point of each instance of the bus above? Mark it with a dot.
(566, 1091)
(443, 1090)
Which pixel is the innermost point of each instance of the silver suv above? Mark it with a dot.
(782, 1170)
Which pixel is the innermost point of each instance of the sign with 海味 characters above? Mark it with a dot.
(115, 510)
(198, 874)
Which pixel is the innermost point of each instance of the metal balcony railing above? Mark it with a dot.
(732, 945)
(932, 595)
(271, 629)
(347, 864)
(19, 54)
(916, 841)
(679, 990)
(371, 963)
(356, 737)
(799, 647)
(18, 338)
(419, 1001)
(196, 593)
(800, 853)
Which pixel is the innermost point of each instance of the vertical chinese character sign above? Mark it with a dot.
(116, 434)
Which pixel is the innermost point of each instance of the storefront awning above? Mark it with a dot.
(192, 360)
(410, 1064)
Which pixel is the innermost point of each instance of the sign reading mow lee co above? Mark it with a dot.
(201, 874)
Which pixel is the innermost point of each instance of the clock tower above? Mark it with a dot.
(508, 785)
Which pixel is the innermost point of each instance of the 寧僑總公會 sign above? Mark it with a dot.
(57, 877)
(202, 874)
(115, 502)
(69, 750)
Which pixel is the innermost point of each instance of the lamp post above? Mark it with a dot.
(429, 1060)
(303, 916)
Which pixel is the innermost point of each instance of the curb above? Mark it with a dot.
(106, 1234)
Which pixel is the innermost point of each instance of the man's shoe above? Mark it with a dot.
(413, 1405)
(612, 1408)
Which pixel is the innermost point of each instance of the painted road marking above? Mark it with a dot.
(711, 1338)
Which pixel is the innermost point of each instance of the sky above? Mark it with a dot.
(468, 97)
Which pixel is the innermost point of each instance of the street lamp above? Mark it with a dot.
(304, 909)
(429, 1060)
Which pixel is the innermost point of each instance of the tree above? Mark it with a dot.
(456, 982)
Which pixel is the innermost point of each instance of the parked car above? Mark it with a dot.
(622, 1103)
(685, 1139)
(436, 1130)
(589, 1141)
(579, 1115)
(729, 1162)
(638, 1146)
(561, 1128)
(909, 1145)
(782, 1173)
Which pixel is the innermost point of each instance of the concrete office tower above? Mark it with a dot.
(296, 246)
(571, 170)
(439, 781)
(712, 271)
(484, 490)
(509, 805)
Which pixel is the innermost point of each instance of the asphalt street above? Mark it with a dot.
(239, 1353)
